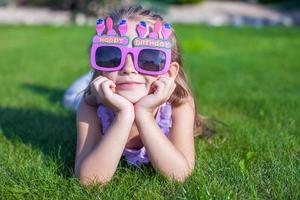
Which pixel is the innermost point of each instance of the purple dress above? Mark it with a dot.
(137, 156)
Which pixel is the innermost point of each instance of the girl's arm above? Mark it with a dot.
(175, 157)
(97, 156)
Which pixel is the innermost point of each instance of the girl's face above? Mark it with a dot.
(129, 83)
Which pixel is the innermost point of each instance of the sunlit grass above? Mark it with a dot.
(246, 77)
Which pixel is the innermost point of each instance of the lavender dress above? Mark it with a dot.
(139, 156)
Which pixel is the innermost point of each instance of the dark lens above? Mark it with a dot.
(152, 60)
(108, 56)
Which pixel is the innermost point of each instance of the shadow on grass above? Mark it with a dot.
(54, 94)
(53, 133)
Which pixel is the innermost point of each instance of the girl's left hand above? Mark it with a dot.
(163, 89)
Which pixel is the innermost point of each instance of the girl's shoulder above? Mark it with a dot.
(187, 106)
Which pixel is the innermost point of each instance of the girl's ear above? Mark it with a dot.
(173, 70)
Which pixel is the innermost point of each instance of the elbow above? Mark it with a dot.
(88, 178)
(183, 174)
(93, 180)
(182, 177)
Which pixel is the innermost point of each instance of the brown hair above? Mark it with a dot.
(182, 90)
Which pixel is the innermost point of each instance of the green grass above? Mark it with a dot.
(246, 77)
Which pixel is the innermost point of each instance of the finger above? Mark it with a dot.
(160, 86)
(97, 83)
(99, 78)
(169, 82)
(108, 87)
(170, 85)
(167, 79)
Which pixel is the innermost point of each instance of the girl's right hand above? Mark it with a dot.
(104, 90)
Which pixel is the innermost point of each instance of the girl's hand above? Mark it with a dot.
(163, 89)
(104, 90)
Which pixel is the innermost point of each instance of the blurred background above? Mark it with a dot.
(249, 12)
(241, 59)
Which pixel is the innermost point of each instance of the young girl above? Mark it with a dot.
(138, 104)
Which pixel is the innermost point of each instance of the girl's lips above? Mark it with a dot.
(128, 85)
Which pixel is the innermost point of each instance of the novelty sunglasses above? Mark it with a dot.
(151, 56)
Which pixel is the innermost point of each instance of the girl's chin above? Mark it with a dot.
(133, 98)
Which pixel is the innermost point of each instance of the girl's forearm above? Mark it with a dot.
(163, 154)
(103, 160)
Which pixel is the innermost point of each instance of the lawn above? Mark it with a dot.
(246, 77)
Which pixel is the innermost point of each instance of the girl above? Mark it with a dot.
(138, 103)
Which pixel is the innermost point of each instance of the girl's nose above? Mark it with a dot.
(129, 66)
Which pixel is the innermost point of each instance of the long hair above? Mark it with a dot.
(182, 90)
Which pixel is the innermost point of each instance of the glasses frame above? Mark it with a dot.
(135, 52)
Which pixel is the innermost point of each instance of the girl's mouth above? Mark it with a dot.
(129, 85)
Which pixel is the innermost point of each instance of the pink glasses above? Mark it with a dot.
(151, 56)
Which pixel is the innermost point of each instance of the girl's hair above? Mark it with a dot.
(182, 90)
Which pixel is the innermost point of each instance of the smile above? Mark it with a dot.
(128, 85)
